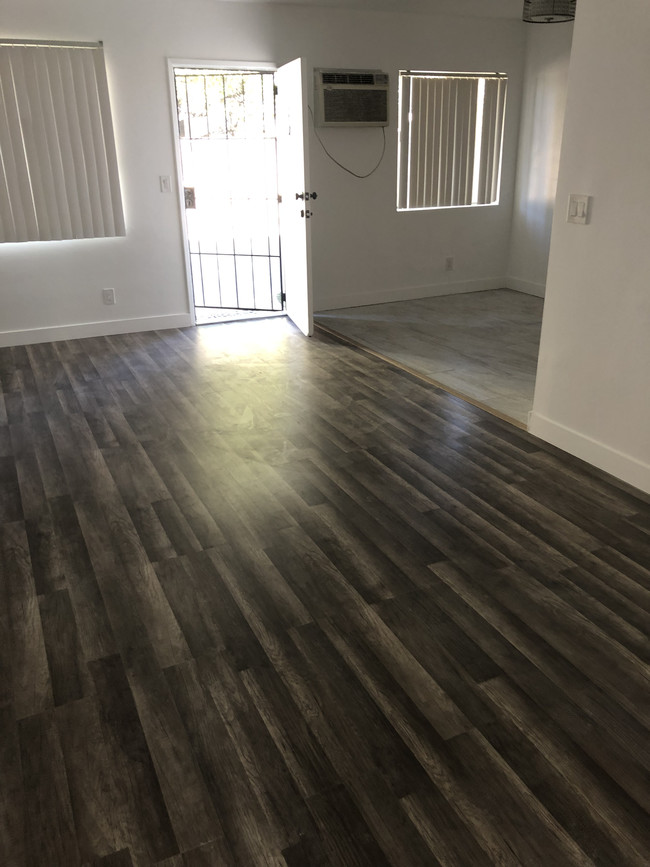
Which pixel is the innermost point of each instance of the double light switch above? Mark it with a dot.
(578, 209)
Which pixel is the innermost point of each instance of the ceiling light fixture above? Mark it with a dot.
(549, 11)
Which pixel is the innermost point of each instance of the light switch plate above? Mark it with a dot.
(578, 209)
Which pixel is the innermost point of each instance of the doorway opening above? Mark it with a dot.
(228, 160)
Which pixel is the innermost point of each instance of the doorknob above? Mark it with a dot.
(190, 197)
(306, 196)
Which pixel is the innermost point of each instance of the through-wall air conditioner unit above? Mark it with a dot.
(351, 97)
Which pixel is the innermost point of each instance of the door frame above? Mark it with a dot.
(249, 66)
(295, 233)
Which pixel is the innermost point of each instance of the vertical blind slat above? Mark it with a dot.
(431, 190)
(70, 85)
(86, 104)
(486, 150)
(15, 167)
(495, 91)
(61, 131)
(426, 129)
(440, 118)
(444, 145)
(456, 143)
(498, 137)
(471, 141)
(106, 162)
(27, 100)
(112, 199)
(8, 177)
(438, 136)
(57, 152)
(49, 221)
(422, 142)
(411, 140)
(403, 140)
(58, 206)
(418, 97)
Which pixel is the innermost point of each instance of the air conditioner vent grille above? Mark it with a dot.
(351, 97)
(348, 78)
(361, 106)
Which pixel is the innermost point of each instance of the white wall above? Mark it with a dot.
(593, 382)
(548, 49)
(363, 251)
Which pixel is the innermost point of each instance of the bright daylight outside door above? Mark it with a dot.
(227, 134)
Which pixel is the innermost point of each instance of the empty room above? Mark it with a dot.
(324, 460)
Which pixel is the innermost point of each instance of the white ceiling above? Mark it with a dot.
(484, 8)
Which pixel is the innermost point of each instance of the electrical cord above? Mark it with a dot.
(340, 165)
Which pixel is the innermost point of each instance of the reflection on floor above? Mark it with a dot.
(481, 345)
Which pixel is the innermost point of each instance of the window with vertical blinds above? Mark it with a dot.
(58, 166)
(450, 139)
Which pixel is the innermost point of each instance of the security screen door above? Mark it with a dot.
(227, 132)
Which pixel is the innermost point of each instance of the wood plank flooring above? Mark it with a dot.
(268, 600)
(482, 346)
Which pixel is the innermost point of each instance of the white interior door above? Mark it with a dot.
(293, 181)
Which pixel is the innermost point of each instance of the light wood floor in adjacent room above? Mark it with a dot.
(269, 601)
(481, 345)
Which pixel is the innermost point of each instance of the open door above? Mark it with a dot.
(295, 192)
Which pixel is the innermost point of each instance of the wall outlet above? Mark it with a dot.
(108, 296)
(449, 263)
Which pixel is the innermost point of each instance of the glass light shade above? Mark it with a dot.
(549, 11)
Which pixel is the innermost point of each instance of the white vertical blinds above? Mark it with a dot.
(58, 166)
(450, 139)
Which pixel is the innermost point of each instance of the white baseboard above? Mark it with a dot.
(94, 329)
(538, 289)
(342, 300)
(624, 467)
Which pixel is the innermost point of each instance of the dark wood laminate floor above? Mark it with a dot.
(267, 600)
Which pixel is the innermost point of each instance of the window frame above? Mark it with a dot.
(59, 176)
(450, 139)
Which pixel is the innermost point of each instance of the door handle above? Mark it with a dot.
(190, 197)
(306, 196)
